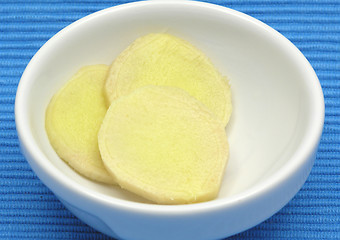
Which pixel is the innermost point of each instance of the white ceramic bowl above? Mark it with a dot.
(274, 131)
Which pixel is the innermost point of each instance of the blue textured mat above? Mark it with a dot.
(28, 210)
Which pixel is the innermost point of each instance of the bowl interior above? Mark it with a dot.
(270, 97)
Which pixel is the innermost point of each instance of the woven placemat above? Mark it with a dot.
(28, 210)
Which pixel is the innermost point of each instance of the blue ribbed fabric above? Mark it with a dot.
(28, 210)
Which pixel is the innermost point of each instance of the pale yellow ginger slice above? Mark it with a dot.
(164, 145)
(73, 119)
(165, 60)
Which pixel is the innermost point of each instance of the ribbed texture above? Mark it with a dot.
(28, 210)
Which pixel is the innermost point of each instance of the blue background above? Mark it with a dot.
(28, 210)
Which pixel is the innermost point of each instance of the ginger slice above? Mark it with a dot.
(73, 118)
(164, 145)
(165, 60)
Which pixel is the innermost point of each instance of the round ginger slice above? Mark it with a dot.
(164, 145)
(165, 60)
(72, 121)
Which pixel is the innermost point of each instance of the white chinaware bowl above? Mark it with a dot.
(274, 131)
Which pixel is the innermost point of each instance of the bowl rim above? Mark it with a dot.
(310, 140)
